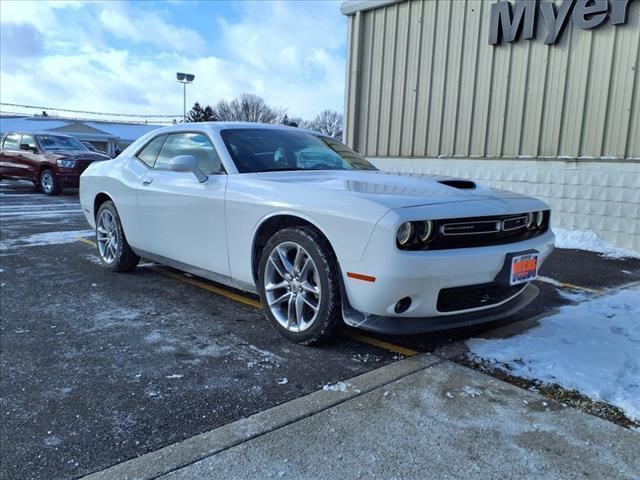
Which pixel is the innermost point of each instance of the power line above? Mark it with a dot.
(89, 112)
(53, 116)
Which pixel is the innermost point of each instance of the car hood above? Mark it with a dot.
(392, 190)
(79, 155)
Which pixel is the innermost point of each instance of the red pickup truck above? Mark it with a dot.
(50, 161)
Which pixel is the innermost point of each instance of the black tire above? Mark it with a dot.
(330, 313)
(49, 183)
(125, 259)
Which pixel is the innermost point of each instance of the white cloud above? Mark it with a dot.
(38, 13)
(146, 26)
(295, 50)
(290, 53)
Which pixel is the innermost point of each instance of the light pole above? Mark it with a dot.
(185, 78)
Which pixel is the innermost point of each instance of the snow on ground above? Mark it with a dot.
(335, 387)
(47, 238)
(589, 241)
(593, 347)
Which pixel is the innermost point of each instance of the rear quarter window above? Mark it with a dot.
(12, 141)
(149, 152)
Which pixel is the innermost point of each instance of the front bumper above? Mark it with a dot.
(420, 275)
(410, 326)
(69, 180)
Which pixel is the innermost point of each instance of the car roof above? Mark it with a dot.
(49, 134)
(218, 126)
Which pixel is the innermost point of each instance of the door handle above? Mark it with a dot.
(147, 181)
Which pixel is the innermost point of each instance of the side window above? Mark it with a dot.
(195, 144)
(149, 153)
(29, 140)
(12, 141)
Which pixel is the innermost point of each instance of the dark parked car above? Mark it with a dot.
(92, 148)
(50, 161)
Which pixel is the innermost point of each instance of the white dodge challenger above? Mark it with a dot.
(316, 230)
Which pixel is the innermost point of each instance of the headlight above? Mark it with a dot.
(425, 231)
(66, 163)
(405, 232)
(530, 220)
(539, 219)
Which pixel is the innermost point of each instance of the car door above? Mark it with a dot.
(10, 156)
(183, 219)
(29, 157)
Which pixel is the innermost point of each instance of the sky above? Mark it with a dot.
(123, 56)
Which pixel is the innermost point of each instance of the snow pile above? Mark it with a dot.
(336, 387)
(593, 347)
(47, 238)
(589, 241)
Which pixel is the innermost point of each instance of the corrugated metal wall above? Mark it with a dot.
(423, 81)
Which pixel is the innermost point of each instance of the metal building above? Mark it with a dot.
(546, 109)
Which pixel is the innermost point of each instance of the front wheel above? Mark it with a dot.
(49, 183)
(113, 249)
(299, 285)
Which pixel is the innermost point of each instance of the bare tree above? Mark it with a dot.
(328, 122)
(247, 108)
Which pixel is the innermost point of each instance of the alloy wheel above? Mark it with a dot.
(107, 236)
(47, 182)
(292, 287)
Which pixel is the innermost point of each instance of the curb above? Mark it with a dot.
(173, 457)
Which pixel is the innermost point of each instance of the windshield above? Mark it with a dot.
(58, 142)
(268, 150)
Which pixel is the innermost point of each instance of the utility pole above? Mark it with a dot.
(184, 78)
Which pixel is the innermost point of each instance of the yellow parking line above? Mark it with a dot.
(256, 304)
(578, 287)
(556, 283)
(87, 241)
(407, 352)
(198, 283)
(359, 337)
(211, 288)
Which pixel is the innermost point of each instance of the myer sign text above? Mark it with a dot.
(512, 20)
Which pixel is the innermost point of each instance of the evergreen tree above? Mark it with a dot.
(208, 114)
(199, 114)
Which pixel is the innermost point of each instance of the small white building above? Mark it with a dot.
(106, 136)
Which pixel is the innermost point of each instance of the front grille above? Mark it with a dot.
(471, 228)
(81, 165)
(475, 296)
(480, 232)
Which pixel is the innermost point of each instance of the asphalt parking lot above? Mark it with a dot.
(98, 367)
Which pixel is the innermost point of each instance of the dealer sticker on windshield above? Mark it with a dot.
(524, 268)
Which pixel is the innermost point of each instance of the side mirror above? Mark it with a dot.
(27, 147)
(187, 163)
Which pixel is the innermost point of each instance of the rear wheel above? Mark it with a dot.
(49, 183)
(113, 249)
(299, 285)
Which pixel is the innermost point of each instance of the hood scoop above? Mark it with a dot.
(459, 184)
